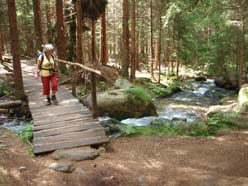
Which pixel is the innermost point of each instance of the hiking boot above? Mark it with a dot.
(54, 100)
(48, 101)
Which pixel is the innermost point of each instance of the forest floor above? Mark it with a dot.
(136, 161)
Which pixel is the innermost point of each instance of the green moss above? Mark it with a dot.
(139, 94)
(26, 134)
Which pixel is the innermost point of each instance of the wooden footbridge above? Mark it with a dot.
(66, 125)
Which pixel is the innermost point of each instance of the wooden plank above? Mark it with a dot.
(56, 120)
(61, 114)
(69, 144)
(70, 136)
(52, 116)
(68, 129)
(48, 109)
(63, 124)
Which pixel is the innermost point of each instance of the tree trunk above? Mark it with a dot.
(19, 90)
(151, 42)
(114, 32)
(1, 44)
(104, 46)
(61, 40)
(133, 40)
(79, 50)
(38, 24)
(159, 39)
(93, 76)
(49, 22)
(125, 35)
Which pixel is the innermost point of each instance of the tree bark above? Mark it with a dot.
(104, 46)
(151, 42)
(159, 39)
(125, 35)
(61, 40)
(79, 54)
(93, 76)
(133, 40)
(49, 22)
(19, 89)
(38, 24)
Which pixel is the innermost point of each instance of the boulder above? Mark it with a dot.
(243, 99)
(123, 84)
(226, 84)
(122, 104)
(217, 109)
(76, 154)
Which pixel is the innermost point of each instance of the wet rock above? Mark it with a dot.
(178, 119)
(226, 84)
(200, 79)
(62, 167)
(77, 154)
(111, 125)
(139, 122)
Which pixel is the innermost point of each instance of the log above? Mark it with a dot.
(10, 104)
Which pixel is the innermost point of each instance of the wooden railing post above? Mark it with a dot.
(93, 82)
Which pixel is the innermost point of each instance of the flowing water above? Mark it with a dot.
(188, 105)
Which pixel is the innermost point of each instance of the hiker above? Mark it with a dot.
(47, 68)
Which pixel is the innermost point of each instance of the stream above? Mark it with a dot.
(188, 105)
(185, 106)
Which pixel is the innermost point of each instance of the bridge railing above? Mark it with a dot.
(93, 82)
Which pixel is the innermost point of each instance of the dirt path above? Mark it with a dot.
(141, 161)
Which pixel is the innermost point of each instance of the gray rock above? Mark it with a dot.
(3, 146)
(62, 167)
(123, 84)
(243, 99)
(218, 109)
(77, 154)
(123, 104)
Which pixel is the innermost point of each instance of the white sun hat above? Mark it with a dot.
(47, 47)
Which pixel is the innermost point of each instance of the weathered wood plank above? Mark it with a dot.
(60, 114)
(56, 120)
(68, 144)
(70, 136)
(68, 129)
(63, 124)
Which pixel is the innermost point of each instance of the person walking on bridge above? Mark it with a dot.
(47, 67)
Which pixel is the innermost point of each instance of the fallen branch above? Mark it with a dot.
(80, 65)
(10, 104)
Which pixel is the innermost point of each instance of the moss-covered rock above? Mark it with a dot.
(243, 99)
(122, 104)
